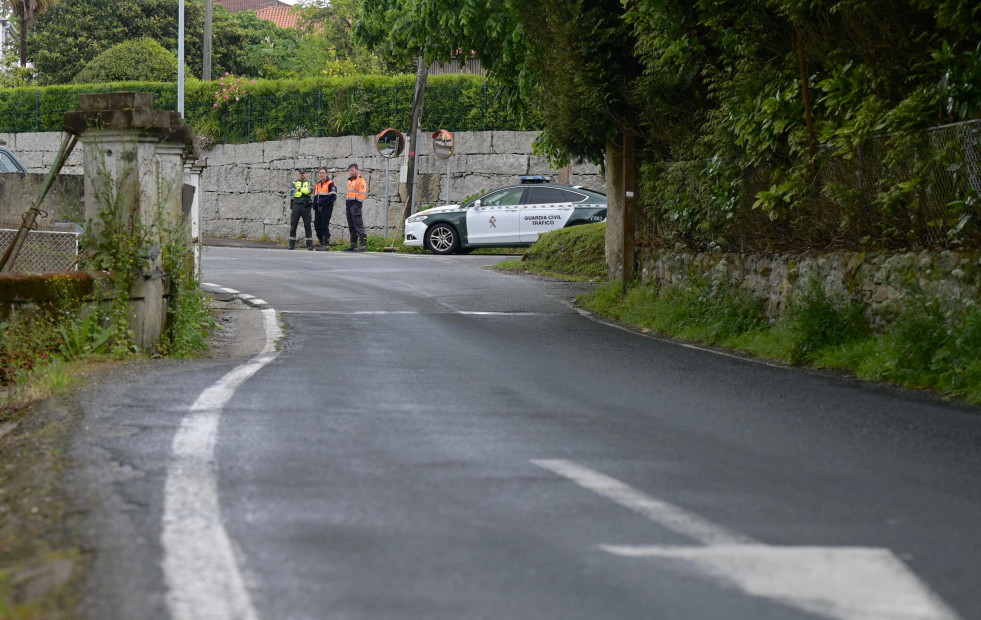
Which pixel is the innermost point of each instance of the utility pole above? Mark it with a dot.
(422, 72)
(206, 69)
(180, 59)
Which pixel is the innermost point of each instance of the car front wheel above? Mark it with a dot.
(442, 239)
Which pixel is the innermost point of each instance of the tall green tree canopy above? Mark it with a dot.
(68, 36)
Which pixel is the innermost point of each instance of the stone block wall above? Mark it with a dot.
(879, 279)
(244, 186)
(64, 203)
(37, 151)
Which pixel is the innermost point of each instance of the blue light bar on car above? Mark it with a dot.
(534, 178)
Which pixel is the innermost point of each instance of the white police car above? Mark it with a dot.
(512, 216)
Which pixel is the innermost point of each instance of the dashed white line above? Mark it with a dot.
(203, 576)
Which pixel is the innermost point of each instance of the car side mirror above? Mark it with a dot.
(477, 202)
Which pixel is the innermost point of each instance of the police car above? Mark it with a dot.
(512, 216)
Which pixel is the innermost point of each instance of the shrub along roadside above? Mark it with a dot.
(577, 253)
(930, 345)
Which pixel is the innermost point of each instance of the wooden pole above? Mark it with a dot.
(629, 207)
(422, 72)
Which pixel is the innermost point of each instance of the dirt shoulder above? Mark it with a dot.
(46, 509)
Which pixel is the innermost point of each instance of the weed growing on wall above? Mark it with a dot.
(188, 317)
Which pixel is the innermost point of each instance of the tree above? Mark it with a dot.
(573, 60)
(66, 38)
(135, 60)
(27, 11)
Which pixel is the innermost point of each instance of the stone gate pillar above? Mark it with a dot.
(133, 164)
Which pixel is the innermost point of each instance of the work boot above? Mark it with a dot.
(292, 244)
(310, 245)
(360, 248)
(350, 248)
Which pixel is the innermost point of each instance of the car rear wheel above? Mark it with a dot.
(442, 239)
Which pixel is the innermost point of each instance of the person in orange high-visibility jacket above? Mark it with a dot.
(357, 191)
(323, 207)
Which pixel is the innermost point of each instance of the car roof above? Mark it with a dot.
(572, 188)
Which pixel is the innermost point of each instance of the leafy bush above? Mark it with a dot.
(578, 252)
(323, 106)
(817, 321)
(138, 59)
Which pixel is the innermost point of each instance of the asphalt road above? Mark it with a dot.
(438, 440)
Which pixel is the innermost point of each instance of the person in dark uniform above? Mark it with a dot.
(357, 191)
(323, 207)
(300, 207)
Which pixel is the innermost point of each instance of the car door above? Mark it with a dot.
(495, 220)
(545, 209)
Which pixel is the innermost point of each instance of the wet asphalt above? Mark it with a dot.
(381, 467)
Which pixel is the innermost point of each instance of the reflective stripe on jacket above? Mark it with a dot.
(301, 189)
(357, 189)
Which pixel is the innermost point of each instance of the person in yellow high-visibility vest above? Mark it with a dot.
(357, 191)
(300, 205)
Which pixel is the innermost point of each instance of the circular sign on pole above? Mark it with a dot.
(390, 143)
(442, 143)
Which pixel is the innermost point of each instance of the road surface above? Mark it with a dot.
(432, 439)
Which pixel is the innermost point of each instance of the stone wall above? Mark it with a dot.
(879, 279)
(64, 203)
(244, 185)
(37, 151)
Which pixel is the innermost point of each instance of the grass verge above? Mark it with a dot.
(576, 254)
(931, 344)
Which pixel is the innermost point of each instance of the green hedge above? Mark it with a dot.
(358, 105)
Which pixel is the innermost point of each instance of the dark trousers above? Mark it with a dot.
(321, 221)
(300, 209)
(355, 223)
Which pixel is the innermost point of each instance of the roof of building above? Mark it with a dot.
(236, 6)
(282, 16)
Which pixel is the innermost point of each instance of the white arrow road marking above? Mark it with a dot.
(676, 519)
(203, 576)
(845, 583)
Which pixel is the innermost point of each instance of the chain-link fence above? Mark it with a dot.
(897, 191)
(43, 250)
(925, 191)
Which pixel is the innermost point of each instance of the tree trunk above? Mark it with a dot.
(22, 22)
(615, 194)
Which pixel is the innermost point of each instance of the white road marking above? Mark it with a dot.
(669, 516)
(203, 576)
(843, 583)
(685, 345)
(414, 312)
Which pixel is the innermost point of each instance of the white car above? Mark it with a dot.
(511, 216)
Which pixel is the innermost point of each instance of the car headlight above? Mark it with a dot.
(416, 218)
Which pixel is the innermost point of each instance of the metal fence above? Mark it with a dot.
(924, 191)
(43, 250)
(910, 190)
